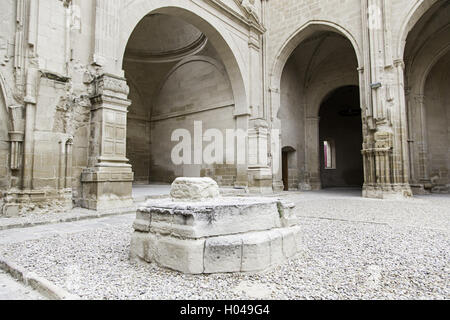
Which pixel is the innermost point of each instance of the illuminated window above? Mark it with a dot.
(329, 154)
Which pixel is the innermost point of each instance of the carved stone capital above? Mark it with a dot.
(111, 85)
(15, 136)
(383, 140)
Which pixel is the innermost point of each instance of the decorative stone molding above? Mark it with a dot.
(112, 86)
(66, 3)
(249, 7)
(249, 20)
(170, 56)
(54, 76)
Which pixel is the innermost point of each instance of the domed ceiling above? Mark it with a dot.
(163, 38)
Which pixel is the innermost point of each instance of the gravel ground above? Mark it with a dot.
(353, 249)
(432, 211)
(76, 214)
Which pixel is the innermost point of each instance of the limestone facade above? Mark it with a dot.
(91, 92)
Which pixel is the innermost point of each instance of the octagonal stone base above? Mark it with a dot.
(216, 236)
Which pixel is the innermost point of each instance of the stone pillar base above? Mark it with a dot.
(107, 188)
(277, 186)
(419, 189)
(260, 180)
(391, 191)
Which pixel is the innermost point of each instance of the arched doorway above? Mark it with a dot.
(340, 136)
(319, 59)
(427, 74)
(290, 180)
(178, 83)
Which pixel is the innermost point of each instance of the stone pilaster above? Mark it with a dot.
(385, 150)
(107, 182)
(312, 181)
(259, 171)
(242, 121)
(275, 138)
(260, 174)
(107, 33)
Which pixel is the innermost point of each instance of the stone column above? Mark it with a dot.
(385, 148)
(68, 172)
(242, 168)
(277, 173)
(107, 182)
(424, 176)
(401, 128)
(30, 118)
(107, 33)
(260, 174)
(312, 154)
(275, 147)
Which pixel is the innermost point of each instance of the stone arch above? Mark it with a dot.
(424, 42)
(323, 92)
(206, 59)
(435, 124)
(216, 67)
(314, 88)
(426, 59)
(414, 15)
(134, 12)
(301, 34)
(288, 149)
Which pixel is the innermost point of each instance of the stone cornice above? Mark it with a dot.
(169, 56)
(250, 20)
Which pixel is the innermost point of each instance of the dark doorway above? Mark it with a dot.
(341, 139)
(285, 171)
(287, 152)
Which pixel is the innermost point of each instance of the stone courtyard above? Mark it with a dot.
(353, 248)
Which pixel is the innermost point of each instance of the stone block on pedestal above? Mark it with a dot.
(214, 235)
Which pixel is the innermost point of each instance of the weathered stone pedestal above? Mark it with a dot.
(213, 234)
